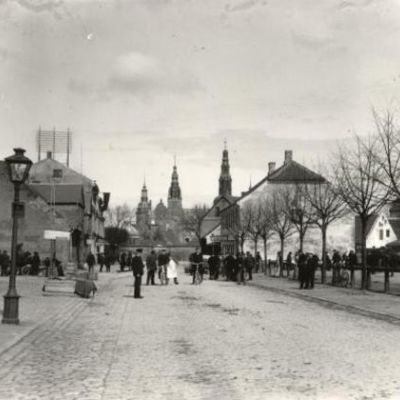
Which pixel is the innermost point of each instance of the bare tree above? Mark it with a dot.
(327, 208)
(264, 214)
(116, 216)
(255, 225)
(245, 223)
(193, 218)
(299, 211)
(387, 149)
(281, 223)
(359, 180)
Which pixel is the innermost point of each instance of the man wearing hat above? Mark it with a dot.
(137, 267)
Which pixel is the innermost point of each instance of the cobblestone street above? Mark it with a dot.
(213, 341)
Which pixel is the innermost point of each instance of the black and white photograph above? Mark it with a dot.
(199, 199)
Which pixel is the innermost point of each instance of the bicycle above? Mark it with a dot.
(198, 279)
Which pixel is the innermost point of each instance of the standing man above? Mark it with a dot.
(90, 262)
(163, 260)
(249, 264)
(314, 265)
(137, 267)
(302, 260)
(129, 260)
(240, 260)
(230, 263)
(258, 262)
(151, 265)
(196, 259)
(100, 260)
(122, 262)
(35, 264)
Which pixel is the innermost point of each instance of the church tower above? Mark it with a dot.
(175, 195)
(143, 211)
(225, 180)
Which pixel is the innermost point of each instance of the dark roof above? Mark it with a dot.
(293, 172)
(63, 194)
(395, 224)
(370, 224)
(210, 230)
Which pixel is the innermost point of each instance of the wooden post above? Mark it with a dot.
(387, 280)
(368, 286)
(352, 275)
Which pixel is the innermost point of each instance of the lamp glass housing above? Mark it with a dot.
(18, 166)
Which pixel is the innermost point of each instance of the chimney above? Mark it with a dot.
(271, 167)
(49, 155)
(288, 156)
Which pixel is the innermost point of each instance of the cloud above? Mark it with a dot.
(57, 8)
(244, 5)
(310, 41)
(350, 5)
(141, 74)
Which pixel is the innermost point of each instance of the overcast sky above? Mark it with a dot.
(141, 80)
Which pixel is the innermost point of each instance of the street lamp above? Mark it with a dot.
(18, 170)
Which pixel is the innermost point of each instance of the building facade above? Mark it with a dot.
(290, 174)
(77, 200)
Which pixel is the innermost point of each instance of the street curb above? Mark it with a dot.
(331, 304)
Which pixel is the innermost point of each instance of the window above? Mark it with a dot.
(380, 234)
(387, 233)
(57, 173)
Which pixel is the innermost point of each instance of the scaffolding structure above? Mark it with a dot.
(56, 142)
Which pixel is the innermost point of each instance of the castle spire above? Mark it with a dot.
(144, 197)
(174, 194)
(225, 180)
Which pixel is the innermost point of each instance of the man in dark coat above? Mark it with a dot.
(240, 267)
(230, 263)
(249, 265)
(90, 260)
(314, 261)
(137, 268)
(122, 262)
(214, 265)
(151, 265)
(163, 260)
(302, 260)
(35, 264)
(196, 259)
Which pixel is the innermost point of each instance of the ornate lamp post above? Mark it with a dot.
(18, 169)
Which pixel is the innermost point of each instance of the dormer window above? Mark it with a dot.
(57, 173)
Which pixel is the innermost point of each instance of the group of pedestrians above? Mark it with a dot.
(240, 267)
(237, 268)
(307, 264)
(162, 264)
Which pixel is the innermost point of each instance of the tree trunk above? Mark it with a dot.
(323, 268)
(363, 252)
(265, 256)
(281, 263)
(255, 245)
(301, 239)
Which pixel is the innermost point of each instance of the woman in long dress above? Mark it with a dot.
(172, 272)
